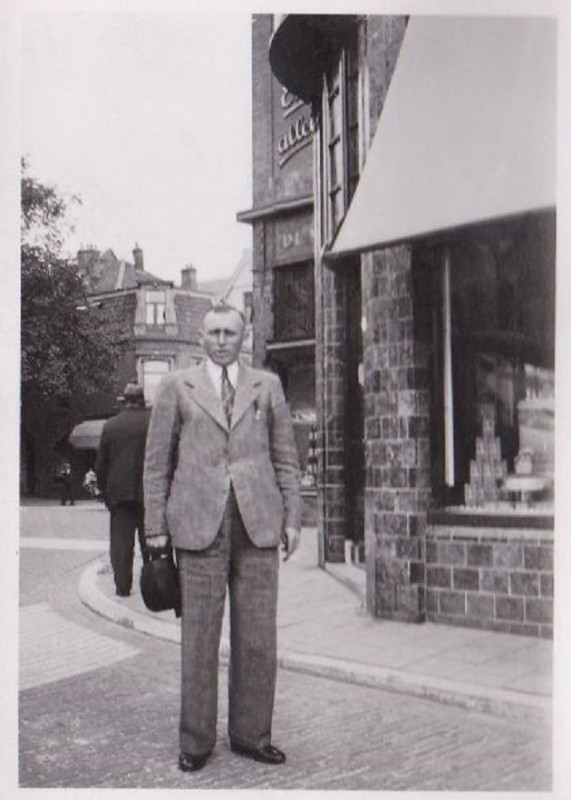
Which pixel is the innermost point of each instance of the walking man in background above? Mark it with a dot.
(66, 485)
(222, 483)
(119, 468)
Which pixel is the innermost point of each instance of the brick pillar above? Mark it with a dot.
(396, 438)
(330, 324)
(262, 297)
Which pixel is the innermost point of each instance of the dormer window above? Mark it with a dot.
(155, 307)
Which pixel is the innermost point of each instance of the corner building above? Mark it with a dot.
(283, 296)
(433, 260)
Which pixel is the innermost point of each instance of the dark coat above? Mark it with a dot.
(121, 456)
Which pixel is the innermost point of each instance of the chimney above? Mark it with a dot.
(138, 257)
(188, 278)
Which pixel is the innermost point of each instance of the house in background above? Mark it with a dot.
(162, 319)
(160, 324)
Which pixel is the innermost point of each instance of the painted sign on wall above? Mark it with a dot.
(299, 127)
(290, 238)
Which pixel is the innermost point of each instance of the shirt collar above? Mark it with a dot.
(215, 372)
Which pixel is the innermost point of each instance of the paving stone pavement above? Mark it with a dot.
(117, 727)
(52, 647)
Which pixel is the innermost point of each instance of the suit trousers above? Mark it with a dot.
(251, 575)
(126, 518)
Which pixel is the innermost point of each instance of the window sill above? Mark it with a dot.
(537, 518)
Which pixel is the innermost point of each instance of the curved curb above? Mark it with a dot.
(92, 597)
(503, 703)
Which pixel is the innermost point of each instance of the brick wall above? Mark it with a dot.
(331, 366)
(397, 446)
(384, 39)
(490, 578)
(262, 297)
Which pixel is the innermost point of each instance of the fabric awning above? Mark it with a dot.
(86, 435)
(467, 133)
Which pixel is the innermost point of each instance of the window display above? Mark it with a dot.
(494, 321)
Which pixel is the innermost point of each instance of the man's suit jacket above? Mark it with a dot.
(193, 456)
(121, 456)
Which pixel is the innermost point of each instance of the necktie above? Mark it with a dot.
(227, 394)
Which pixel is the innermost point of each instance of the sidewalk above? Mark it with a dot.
(324, 629)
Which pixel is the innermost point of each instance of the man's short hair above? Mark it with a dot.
(222, 307)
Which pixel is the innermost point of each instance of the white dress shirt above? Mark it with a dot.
(215, 373)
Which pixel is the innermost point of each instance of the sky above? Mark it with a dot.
(147, 117)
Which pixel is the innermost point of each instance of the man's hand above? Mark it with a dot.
(157, 545)
(290, 539)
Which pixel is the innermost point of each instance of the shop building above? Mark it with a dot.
(434, 231)
(283, 291)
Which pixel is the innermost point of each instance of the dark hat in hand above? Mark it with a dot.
(159, 584)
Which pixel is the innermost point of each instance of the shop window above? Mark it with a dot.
(154, 371)
(493, 314)
(155, 307)
(294, 302)
(339, 157)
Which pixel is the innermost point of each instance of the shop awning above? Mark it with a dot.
(467, 133)
(86, 435)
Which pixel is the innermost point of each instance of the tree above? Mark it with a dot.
(69, 347)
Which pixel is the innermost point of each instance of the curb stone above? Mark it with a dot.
(497, 702)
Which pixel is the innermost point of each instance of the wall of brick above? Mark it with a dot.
(397, 445)
(384, 39)
(262, 296)
(498, 579)
(275, 180)
(331, 367)
(261, 104)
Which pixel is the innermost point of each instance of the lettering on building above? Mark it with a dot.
(291, 238)
(300, 130)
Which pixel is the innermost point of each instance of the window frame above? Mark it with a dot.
(154, 307)
(341, 93)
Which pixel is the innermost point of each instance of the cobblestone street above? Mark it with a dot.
(102, 711)
(117, 727)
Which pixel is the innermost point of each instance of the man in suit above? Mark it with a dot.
(119, 468)
(222, 484)
(66, 485)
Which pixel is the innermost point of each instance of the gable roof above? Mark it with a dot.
(113, 275)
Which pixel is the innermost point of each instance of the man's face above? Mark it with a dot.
(223, 333)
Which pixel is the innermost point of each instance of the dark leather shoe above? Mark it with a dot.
(267, 754)
(190, 763)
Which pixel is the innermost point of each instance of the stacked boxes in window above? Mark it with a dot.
(488, 468)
